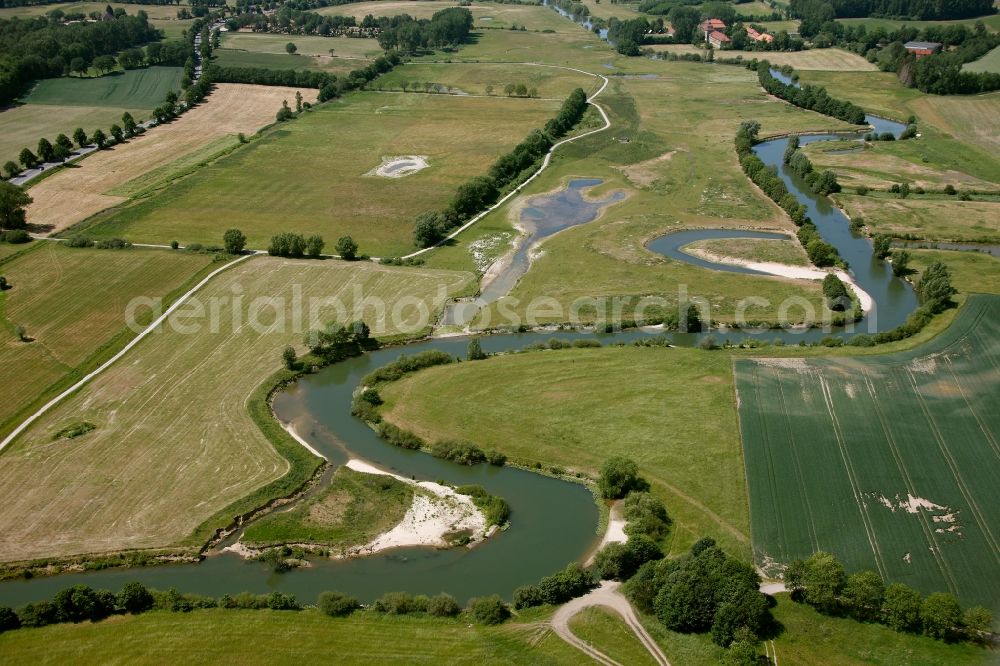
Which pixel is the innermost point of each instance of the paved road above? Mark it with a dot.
(606, 595)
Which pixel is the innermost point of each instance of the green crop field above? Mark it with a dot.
(307, 45)
(354, 509)
(889, 462)
(72, 302)
(234, 58)
(675, 417)
(319, 161)
(134, 89)
(146, 477)
(988, 63)
(992, 23)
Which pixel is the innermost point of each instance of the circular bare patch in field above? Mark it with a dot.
(398, 167)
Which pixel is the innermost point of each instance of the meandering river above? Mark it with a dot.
(552, 521)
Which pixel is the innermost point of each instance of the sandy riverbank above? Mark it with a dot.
(788, 271)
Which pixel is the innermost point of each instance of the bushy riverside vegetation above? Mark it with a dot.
(822, 582)
(819, 251)
(809, 97)
(507, 172)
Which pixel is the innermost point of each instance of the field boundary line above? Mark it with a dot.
(953, 467)
(124, 350)
(544, 165)
(848, 467)
(908, 482)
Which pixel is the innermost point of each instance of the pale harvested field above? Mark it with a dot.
(828, 60)
(881, 171)
(971, 118)
(931, 219)
(174, 442)
(77, 193)
(72, 301)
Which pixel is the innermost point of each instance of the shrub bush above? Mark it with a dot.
(336, 604)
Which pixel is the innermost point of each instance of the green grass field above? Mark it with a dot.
(72, 302)
(223, 635)
(234, 58)
(306, 45)
(752, 249)
(354, 509)
(675, 417)
(175, 442)
(319, 162)
(473, 78)
(234, 635)
(889, 462)
(134, 89)
(988, 63)
(605, 630)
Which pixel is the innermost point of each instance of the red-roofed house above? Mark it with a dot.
(759, 36)
(717, 39)
(708, 25)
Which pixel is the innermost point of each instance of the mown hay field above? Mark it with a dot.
(485, 15)
(174, 442)
(306, 45)
(82, 190)
(72, 302)
(889, 462)
(673, 414)
(309, 175)
(831, 60)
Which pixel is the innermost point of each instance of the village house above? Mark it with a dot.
(717, 39)
(921, 49)
(708, 26)
(759, 36)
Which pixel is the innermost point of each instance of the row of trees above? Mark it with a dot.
(288, 20)
(287, 244)
(914, 9)
(814, 98)
(34, 48)
(81, 603)
(820, 182)
(483, 191)
(822, 582)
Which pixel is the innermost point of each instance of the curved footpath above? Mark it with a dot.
(544, 165)
(608, 596)
(124, 350)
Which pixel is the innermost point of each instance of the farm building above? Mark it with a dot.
(921, 49)
(708, 26)
(717, 39)
(759, 36)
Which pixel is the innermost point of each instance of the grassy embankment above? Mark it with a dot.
(320, 161)
(753, 249)
(72, 303)
(351, 511)
(154, 467)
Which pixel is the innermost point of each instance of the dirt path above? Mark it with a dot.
(545, 162)
(608, 596)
